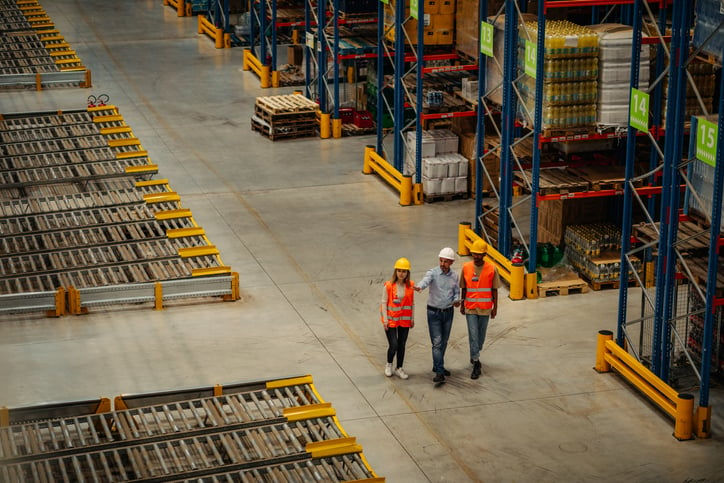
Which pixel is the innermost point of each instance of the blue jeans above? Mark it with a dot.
(477, 328)
(440, 323)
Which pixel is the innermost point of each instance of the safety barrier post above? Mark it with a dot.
(4, 416)
(324, 125)
(60, 303)
(158, 296)
(250, 62)
(74, 306)
(680, 406)
(235, 294)
(374, 163)
(275, 79)
(703, 422)
(336, 128)
(514, 274)
(601, 364)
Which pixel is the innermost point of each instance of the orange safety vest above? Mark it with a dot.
(399, 312)
(479, 292)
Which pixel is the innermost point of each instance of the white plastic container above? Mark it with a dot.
(431, 186)
(447, 186)
(461, 184)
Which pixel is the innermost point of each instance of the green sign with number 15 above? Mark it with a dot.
(706, 136)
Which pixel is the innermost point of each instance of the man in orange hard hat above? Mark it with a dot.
(479, 284)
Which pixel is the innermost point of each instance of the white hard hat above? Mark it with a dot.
(448, 253)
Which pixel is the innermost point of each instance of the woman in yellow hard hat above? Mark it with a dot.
(397, 313)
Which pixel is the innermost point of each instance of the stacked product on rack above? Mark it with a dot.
(614, 73)
(570, 74)
(444, 170)
(594, 250)
(438, 22)
(704, 85)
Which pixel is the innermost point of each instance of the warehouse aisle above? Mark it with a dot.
(313, 239)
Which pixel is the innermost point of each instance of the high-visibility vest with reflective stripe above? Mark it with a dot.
(399, 311)
(478, 291)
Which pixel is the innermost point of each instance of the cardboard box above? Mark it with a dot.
(295, 54)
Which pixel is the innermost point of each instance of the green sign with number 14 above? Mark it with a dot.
(638, 115)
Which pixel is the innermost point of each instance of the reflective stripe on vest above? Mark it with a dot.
(399, 312)
(478, 292)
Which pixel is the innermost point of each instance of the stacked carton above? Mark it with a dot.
(444, 170)
(438, 22)
(614, 72)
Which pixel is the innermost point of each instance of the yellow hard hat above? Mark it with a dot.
(402, 264)
(479, 246)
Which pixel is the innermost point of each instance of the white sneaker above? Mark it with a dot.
(401, 373)
(388, 369)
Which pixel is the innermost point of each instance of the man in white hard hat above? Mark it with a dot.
(444, 295)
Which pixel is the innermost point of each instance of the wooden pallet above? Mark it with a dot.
(555, 181)
(446, 197)
(291, 103)
(275, 134)
(286, 118)
(601, 177)
(567, 134)
(352, 130)
(562, 287)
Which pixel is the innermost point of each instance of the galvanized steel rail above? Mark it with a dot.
(251, 434)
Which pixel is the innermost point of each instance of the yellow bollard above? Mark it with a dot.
(531, 285)
(366, 166)
(406, 191)
(350, 74)
(4, 416)
(295, 36)
(275, 79)
(218, 390)
(227, 40)
(245, 62)
(181, 8)
(324, 125)
(158, 295)
(417, 194)
(684, 417)
(336, 128)
(219, 39)
(264, 76)
(703, 422)
(462, 248)
(517, 281)
(601, 364)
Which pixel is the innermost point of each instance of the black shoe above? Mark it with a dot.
(439, 378)
(476, 370)
(446, 372)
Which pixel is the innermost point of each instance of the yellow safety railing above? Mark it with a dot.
(409, 192)
(253, 64)
(179, 5)
(679, 406)
(217, 34)
(513, 273)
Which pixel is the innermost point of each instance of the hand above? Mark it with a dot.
(494, 312)
(387, 325)
(462, 309)
(417, 289)
(456, 304)
(412, 324)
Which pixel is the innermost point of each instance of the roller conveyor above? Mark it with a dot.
(278, 432)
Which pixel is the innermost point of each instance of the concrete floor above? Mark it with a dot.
(313, 239)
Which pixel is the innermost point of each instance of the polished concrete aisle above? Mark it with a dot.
(313, 239)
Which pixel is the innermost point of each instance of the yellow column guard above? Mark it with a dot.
(374, 163)
(679, 406)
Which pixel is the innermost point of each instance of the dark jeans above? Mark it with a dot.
(440, 323)
(396, 339)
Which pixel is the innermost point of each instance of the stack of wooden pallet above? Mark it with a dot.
(285, 117)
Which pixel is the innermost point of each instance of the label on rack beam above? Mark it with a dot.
(531, 58)
(486, 38)
(706, 141)
(638, 116)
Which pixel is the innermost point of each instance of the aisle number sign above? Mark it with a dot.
(486, 38)
(638, 115)
(706, 136)
(531, 57)
(413, 9)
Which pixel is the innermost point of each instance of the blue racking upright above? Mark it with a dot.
(654, 328)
